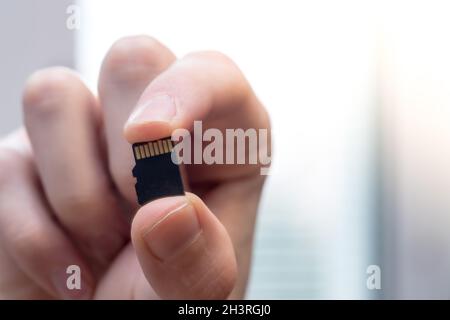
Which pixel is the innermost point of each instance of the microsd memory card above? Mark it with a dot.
(156, 174)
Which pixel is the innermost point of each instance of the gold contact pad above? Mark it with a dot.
(151, 149)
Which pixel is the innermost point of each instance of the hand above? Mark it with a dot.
(67, 194)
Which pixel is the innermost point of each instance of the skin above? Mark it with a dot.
(67, 195)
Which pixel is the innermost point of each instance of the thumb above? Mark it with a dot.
(184, 250)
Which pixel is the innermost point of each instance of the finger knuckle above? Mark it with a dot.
(11, 163)
(31, 240)
(80, 204)
(213, 56)
(76, 199)
(6, 162)
(135, 57)
(223, 65)
(45, 86)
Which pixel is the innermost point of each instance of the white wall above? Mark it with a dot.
(415, 96)
(33, 35)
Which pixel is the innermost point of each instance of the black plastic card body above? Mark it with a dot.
(157, 176)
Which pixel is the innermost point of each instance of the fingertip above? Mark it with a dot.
(146, 131)
(183, 249)
(152, 118)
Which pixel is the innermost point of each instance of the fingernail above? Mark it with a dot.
(158, 108)
(175, 231)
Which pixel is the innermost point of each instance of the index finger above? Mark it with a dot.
(203, 86)
(209, 87)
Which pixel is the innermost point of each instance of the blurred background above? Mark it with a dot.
(359, 95)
